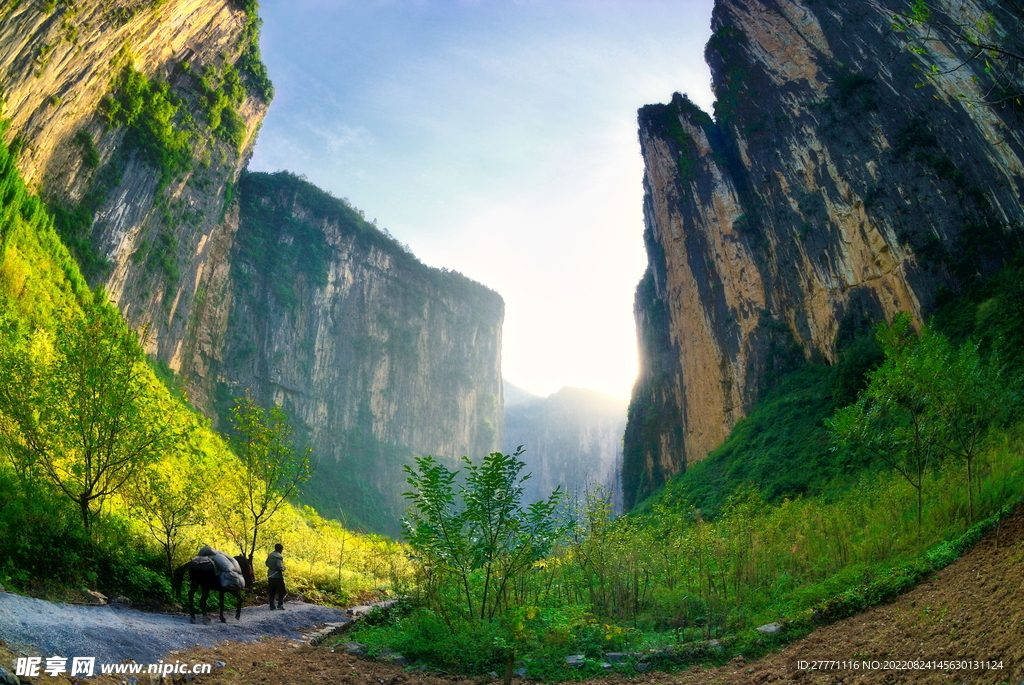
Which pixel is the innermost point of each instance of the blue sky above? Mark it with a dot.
(497, 139)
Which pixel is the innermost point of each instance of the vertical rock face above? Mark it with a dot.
(143, 234)
(831, 189)
(573, 440)
(376, 356)
(134, 120)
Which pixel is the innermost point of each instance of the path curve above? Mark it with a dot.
(113, 633)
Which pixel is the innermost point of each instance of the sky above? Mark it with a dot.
(498, 139)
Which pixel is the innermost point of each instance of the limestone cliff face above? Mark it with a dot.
(829, 191)
(148, 239)
(134, 120)
(573, 440)
(376, 356)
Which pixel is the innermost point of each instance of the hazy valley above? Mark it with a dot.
(830, 332)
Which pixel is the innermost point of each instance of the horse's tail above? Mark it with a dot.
(177, 577)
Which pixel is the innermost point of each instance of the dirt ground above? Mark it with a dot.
(971, 611)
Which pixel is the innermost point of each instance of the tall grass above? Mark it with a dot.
(761, 562)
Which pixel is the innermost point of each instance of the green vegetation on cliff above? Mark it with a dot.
(342, 315)
(57, 463)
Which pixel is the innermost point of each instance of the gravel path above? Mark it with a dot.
(114, 633)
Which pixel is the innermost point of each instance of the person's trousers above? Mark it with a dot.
(276, 586)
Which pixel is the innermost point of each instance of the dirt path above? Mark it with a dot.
(972, 610)
(114, 633)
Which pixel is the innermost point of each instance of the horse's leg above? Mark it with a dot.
(222, 619)
(202, 602)
(238, 603)
(192, 587)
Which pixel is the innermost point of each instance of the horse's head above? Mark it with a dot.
(247, 573)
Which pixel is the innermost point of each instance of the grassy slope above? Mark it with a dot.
(41, 545)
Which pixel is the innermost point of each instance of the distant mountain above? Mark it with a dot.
(515, 395)
(573, 438)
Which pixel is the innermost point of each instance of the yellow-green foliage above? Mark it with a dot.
(758, 563)
(41, 289)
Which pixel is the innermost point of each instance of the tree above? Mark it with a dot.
(926, 401)
(971, 398)
(274, 470)
(476, 541)
(82, 411)
(164, 496)
(896, 417)
(990, 42)
(478, 534)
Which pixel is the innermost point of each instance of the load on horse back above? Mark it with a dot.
(213, 570)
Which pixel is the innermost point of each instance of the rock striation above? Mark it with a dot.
(834, 186)
(375, 356)
(146, 239)
(135, 120)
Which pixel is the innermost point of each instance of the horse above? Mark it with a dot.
(202, 574)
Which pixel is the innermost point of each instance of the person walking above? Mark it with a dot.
(275, 576)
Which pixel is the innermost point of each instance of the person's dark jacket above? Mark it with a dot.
(275, 562)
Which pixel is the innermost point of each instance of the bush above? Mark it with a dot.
(148, 111)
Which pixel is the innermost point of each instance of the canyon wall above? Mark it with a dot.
(844, 177)
(375, 356)
(134, 120)
(138, 191)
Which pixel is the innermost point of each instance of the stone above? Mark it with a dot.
(355, 648)
(521, 672)
(575, 660)
(769, 629)
(219, 664)
(7, 678)
(643, 666)
(616, 657)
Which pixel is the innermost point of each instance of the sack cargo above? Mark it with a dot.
(228, 568)
(232, 579)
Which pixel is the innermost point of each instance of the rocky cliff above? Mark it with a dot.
(573, 440)
(843, 177)
(134, 119)
(375, 356)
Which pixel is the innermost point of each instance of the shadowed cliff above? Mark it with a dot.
(834, 186)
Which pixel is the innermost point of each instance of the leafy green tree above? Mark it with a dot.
(274, 470)
(927, 401)
(897, 417)
(477, 542)
(82, 412)
(478, 535)
(971, 400)
(164, 496)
